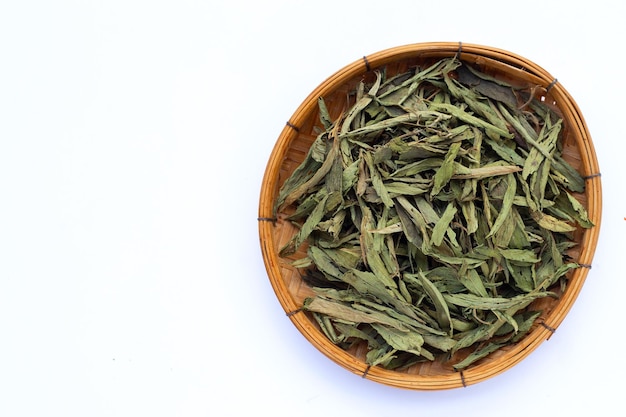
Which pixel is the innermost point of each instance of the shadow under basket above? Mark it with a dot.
(300, 132)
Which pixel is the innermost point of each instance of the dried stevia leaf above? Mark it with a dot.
(440, 304)
(443, 224)
(477, 355)
(436, 209)
(368, 283)
(348, 313)
(576, 209)
(506, 206)
(411, 342)
(307, 228)
(492, 303)
(299, 189)
(325, 118)
(551, 223)
(490, 129)
(446, 170)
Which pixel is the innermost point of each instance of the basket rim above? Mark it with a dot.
(513, 63)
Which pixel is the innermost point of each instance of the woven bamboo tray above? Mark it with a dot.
(294, 142)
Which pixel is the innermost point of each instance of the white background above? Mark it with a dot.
(133, 140)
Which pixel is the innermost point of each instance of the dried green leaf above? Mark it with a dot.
(446, 170)
(551, 223)
(485, 171)
(519, 255)
(579, 211)
(397, 188)
(507, 204)
(362, 102)
(405, 341)
(377, 181)
(325, 118)
(477, 355)
(473, 282)
(543, 148)
(565, 174)
(307, 228)
(492, 303)
(324, 263)
(442, 225)
(441, 307)
(472, 120)
(345, 312)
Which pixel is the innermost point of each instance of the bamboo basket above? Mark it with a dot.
(294, 142)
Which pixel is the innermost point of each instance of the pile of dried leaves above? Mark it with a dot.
(435, 211)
